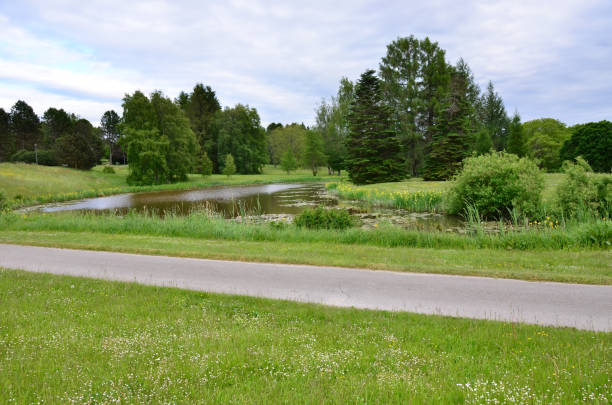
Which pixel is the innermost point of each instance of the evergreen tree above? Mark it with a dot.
(373, 150)
(453, 131)
(483, 144)
(229, 167)
(7, 139)
(55, 124)
(25, 125)
(516, 137)
(493, 116)
(201, 109)
(110, 128)
(415, 78)
(206, 165)
(314, 154)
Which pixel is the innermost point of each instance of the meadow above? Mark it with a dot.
(73, 340)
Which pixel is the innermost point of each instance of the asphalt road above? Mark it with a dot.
(557, 304)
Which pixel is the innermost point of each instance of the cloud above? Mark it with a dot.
(545, 58)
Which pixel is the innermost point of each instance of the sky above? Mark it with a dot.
(545, 58)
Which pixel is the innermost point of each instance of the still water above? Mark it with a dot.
(228, 201)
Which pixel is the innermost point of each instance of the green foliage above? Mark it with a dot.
(82, 148)
(288, 162)
(109, 124)
(493, 116)
(229, 167)
(206, 165)
(160, 145)
(415, 79)
(45, 157)
(483, 144)
(314, 155)
(56, 123)
(25, 125)
(333, 125)
(582, 194)
(3, 202)
(7, 138)
(516, 137)
(496, 184)
(545, 137)
(592, 141)
(202, 107)
(321, 218)
(373, 150)
(280, 140)
(452, 140)
(108, 169)
(241, 134)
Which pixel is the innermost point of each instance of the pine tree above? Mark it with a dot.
(229, 167)
(517, 143)
(493, 116)
(373, 150)
(452, 132)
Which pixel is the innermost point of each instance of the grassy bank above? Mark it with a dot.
(586, 267)
(67, 340)
(25, 184)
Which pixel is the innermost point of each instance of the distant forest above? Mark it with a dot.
(429, 114)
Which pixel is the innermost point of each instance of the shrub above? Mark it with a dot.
(45, 157)
(206, 165)
(108, 169)
(321, 218)
(581, 193)
(229, 166)
(496, 184)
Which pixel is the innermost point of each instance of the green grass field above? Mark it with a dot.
(71, 340)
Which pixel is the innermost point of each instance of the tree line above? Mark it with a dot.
(421, 116)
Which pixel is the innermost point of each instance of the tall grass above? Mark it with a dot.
(419, 201)
(594, 234)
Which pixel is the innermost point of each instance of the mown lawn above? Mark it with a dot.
(71, 340)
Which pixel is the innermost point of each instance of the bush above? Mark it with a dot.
(108, 169)
(321, 218)
(45, 157)
(496, 184)
(581, 193)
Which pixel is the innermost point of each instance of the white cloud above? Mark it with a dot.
(282, 57)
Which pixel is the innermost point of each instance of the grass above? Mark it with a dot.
(25, 184)
(72, 340)
(586, 267)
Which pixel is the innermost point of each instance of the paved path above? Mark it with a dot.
(558, 304)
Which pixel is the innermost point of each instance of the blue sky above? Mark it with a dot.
(546, 58)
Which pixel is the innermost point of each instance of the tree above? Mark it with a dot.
(110, 128)
(288, 162)
(493, 116)
(82, 147)
(206, 165)
(160, 145)
(229, 167)
(332, 124)
(56, 123)
(592, 141)
(282, 139)
(201, 109)
(314, 155)
(545, 137)
(373, 151)
(453, 131)
(25, 125)
(415, 78)
(7, 139)
(483, 144)
(241, 134)
(516, 137)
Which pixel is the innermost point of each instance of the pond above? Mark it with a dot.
(259, 203)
